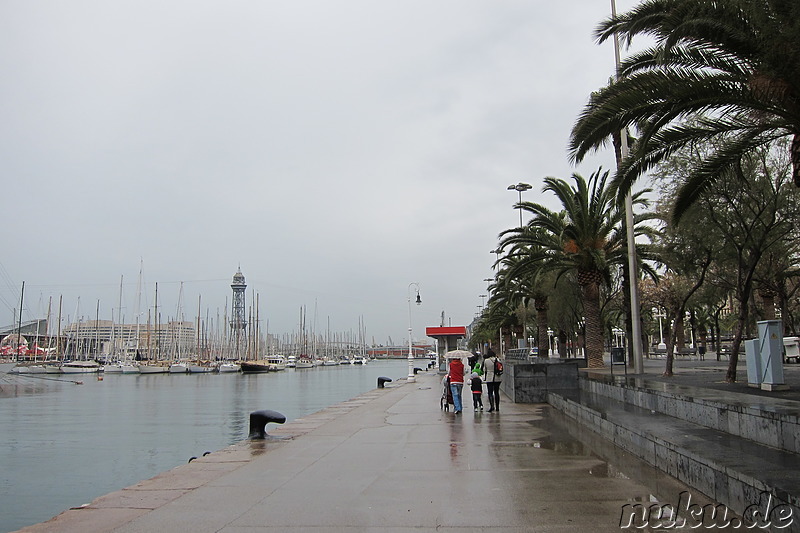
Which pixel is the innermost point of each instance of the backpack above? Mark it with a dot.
(498, 367)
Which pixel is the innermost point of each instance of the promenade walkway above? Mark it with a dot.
(387, 461)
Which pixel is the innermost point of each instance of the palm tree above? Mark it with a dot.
(531, 284)
(585, 238)
(722, 70)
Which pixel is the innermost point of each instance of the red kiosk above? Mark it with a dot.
(447, 338)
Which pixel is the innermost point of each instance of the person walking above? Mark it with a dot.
(456, 375)
(492, 376)
(476, 384)
(475, 364)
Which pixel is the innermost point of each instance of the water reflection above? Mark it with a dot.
(64, 445)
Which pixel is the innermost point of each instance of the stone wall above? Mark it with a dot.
(531, 382)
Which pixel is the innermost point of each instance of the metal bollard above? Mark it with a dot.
(382, 381)
(259, 421)
(417, 370)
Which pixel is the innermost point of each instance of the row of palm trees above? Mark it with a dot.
(721, 83)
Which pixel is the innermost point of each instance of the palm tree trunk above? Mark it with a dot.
(594, 330)
(541, 322)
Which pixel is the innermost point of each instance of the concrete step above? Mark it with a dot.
(774, 422)
(735, 471)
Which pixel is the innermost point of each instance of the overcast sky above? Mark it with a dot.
(336, 150)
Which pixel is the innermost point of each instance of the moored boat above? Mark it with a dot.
(229, 366)
(305, 361)
(277, 362)
(179, 367)
(80, 367)
(153, 367)
(29, 368)
(256, 366)
(201, 367)
(121, 367)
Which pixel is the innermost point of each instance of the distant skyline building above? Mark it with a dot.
(238, 318)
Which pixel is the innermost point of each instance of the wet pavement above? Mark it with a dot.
(390, 461)
(706, 379)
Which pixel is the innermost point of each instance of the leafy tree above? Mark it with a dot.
(721, 70)
(747, 217)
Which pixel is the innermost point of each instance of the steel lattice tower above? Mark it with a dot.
(238, 319)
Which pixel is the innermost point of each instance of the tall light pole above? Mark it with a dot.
(520, 187)
(411, 377)
(636, 326)
(497, 256)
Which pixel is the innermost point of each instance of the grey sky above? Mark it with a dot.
(336, 150)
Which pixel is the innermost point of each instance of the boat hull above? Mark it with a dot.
(153, 369)
(229, 367)
(80, 367)
(253, 367)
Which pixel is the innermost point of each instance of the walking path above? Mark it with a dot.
(391, 460)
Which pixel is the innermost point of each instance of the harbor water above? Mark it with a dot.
(64, 444)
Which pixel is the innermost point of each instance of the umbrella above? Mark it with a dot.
(457, 354)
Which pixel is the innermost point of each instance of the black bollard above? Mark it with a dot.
(382, 381)
(259, 421)
(417, 370)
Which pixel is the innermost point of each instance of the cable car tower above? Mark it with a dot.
(238, 320)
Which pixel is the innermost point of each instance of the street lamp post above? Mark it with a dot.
(497, 257)
(520, 187)
(411, 377)
(636, 327)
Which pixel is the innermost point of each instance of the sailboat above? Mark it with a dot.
(256, 365)
(120, 363)
(154, 366)
(199, 365)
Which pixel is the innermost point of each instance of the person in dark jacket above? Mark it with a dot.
(476, 384)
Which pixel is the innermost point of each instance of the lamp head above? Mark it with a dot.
(419, 300)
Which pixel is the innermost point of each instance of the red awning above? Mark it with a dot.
(449, 331)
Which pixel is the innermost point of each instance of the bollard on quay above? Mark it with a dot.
(259, 421)
(382, 381)
(417, 370)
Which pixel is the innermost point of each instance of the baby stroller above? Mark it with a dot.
(447, 395)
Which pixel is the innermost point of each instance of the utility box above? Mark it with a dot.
(791, 348)
(770, 339)
(753, 358)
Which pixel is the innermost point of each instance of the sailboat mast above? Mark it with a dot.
(197, 341)
(19, 322)
(114, 348)
(58, 337)
(97, 329)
